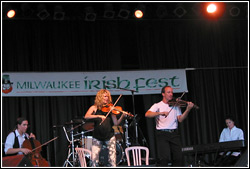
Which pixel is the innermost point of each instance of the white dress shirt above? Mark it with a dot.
(231, 135)
(10, 140)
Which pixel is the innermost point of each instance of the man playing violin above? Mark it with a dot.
(103, 134)
(15, 139)
(167, 135)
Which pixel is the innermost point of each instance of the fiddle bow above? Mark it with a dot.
(35, 157)
(111, 109)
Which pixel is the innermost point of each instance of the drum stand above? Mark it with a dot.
(72, 153)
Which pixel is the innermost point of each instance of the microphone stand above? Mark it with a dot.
(134, 120)
(127, 143)
(72, 144)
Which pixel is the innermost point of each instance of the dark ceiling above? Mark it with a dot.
(157, 10)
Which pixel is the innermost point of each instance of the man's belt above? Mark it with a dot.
(168, 130)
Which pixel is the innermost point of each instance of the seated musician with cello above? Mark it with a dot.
(19, 142)
(15, 139)
(103, 134)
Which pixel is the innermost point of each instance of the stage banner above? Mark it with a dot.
(89, 83)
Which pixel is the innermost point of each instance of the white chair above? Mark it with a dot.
(81, 152)
(136, 152)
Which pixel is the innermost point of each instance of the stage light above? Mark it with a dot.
(42, 12)
(213, 10)
(197, 8)
(59, 13)
(27, 10)
(140, 11)
(90, 17)
(11, 13)
(234, 11)
(161, 11)
(90, 14)
(180, 11)
(108, 11)
(138, 14)
(124, 11)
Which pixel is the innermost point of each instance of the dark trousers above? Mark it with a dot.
(169, 148)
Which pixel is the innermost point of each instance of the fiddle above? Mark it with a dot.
(35, 157)
(180, 103)
(115, 110)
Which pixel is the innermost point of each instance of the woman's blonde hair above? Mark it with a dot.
(99, 98)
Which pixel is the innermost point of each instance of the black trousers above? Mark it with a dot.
(169, 148)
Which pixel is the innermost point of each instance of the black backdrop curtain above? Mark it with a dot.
(218, 84)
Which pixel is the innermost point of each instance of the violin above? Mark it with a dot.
(115, 110)
(180, 103)
(35, 157)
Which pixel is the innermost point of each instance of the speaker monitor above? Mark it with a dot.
(16, 161)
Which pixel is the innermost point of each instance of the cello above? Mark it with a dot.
(35, 156)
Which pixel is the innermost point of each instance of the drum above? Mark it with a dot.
(103, 157)
(118, 130)
(87, 142)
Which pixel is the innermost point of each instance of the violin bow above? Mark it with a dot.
(111, 108)
(45, 143)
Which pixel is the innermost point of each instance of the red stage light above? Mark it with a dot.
(213, 10)
(11, 13)
(138, 14)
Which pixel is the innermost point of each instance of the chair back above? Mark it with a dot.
(82, 156)
(136, 152)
